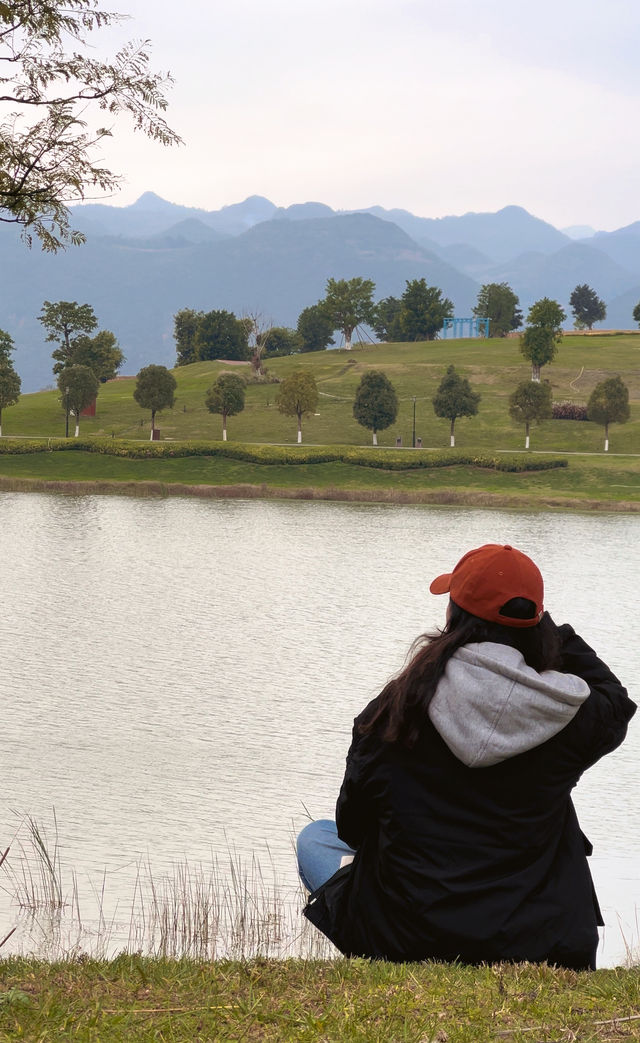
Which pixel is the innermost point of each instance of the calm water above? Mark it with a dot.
(180, 678)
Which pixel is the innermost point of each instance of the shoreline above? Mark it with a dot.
(247, 491)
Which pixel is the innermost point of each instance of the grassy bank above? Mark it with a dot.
(587, 482)
(132, 998)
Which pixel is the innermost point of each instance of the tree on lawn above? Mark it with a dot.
(455, 398)
(220, 335)
(539, 342)
(348, 304)
(423, 310)
(7, 347)
(587, 307)
(185, 327)
(54, 87)
(64, 322)
(9, 387)
(530, 401)
(226, 396)
(280, 340)
(376, 403)
(497, 302)
(155, 390)
(101, 353)
(609, 404)
(385, 321)
(257, 327)
(298, 396)
(636, 313)
(78, 387)
(315, 328)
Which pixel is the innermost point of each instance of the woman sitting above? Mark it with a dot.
(455, 836)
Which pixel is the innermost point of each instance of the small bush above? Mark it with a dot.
(568, 411)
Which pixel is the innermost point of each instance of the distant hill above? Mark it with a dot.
(622, 246)
(539, 275)
(151, 215)
(579, 231)
(144, 262)
(620, 309)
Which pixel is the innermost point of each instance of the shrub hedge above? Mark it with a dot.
(568, 411)
(385, 459)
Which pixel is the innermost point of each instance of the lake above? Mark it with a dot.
(180, 677)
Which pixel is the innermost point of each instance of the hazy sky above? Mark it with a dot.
(437, 106)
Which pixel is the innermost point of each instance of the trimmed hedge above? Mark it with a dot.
(384, 459)
(568, 411)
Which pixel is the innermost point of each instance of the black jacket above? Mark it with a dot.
(479, 864)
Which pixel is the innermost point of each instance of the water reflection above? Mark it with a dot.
(181, 676)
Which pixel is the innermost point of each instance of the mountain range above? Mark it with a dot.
(142, 263)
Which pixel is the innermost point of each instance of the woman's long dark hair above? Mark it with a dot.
(399, 712)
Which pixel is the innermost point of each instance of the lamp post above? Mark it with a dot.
(413, 439)
(66, 412)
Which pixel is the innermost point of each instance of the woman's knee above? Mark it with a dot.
(314, 833)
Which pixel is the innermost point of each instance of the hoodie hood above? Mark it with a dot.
(489, 705)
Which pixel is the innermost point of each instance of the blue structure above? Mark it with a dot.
(456, 328)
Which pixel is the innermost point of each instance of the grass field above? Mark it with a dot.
(136, 999)
(494, 367)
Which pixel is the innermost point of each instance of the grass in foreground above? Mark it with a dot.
(133, 998)
(173, 997)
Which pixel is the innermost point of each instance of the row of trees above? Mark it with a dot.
(376, 402)
(418, 315)
(348, 304)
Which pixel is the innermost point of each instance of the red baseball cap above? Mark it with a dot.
(489, 576)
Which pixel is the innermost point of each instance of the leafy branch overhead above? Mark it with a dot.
(52, 85)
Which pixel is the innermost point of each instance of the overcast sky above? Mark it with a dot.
(437, 106)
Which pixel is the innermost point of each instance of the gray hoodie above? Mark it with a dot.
(489, 705)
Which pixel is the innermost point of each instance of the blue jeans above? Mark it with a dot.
(320, 853)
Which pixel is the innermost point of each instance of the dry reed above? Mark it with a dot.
(229, 909)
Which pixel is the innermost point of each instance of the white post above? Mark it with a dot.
(606, 445)
(526, 442)
(375, 438)
(77, 427)
(453, 441)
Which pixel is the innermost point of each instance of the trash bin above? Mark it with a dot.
(418, 443)
(156, 435)
(398, 443)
